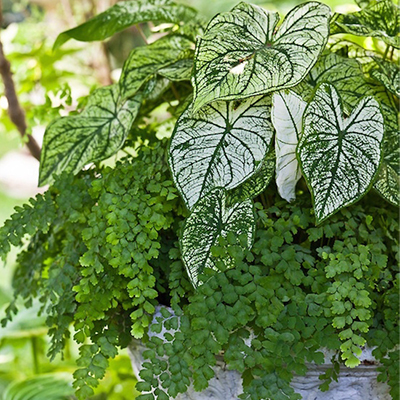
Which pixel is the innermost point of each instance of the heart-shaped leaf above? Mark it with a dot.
(241, 56)
(287, 114)
(339, 157)
(347, 77)
(210, 219)
(125, 14)
(219, 146)
(143, 62)
(97, 133)
(380, 19)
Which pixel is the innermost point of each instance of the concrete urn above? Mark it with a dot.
(358, 383)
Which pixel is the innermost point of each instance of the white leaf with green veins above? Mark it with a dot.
(287, 113)
(219, 146)
(97, 133)
(339, 157)
(210, 219)
(240, 55)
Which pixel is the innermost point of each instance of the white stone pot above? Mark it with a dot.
(353, 383)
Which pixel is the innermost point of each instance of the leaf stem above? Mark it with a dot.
(142, 35)
(386, 52)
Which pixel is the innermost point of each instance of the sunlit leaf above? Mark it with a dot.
(339, 157)
(380, 19)
(125, 14)
(97, 133)
(143, 62)
(210, 219)
(240, 55)
(219, 146)
(287, 113)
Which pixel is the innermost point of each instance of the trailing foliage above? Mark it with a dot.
(261, 282)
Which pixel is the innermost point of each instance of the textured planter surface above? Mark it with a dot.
(353, 384)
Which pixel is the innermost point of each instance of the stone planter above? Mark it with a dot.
(353, 384)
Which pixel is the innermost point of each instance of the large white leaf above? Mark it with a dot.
(219, 146)
(240, 55)
(339, 157)
(287, 113)
(210, 219)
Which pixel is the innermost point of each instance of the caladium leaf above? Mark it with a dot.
(389, 75)
(339, 157)
(380, 19)
(287, 114)
(125, 14)
(388, 185)
(240, 55)
(219, 146)
(257, 183)
(388, 181)
(181, 69)
(144, 62)
(210, 219)
(97, 133)
(348, 79)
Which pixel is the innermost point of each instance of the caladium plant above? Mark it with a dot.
(258, 111)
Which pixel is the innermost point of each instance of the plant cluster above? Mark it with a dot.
(262, 271)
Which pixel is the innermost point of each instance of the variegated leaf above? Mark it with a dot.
(97, 133)
(287, 114)
(339, 157)
(125, 14)
(143, 62)
(380, 19)
(210, 219)
(348, 49)
(348, 79)
(388, 181)
(219, 146)
(240, 55)
(181, 69)
(257, 183)
(389, 75)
